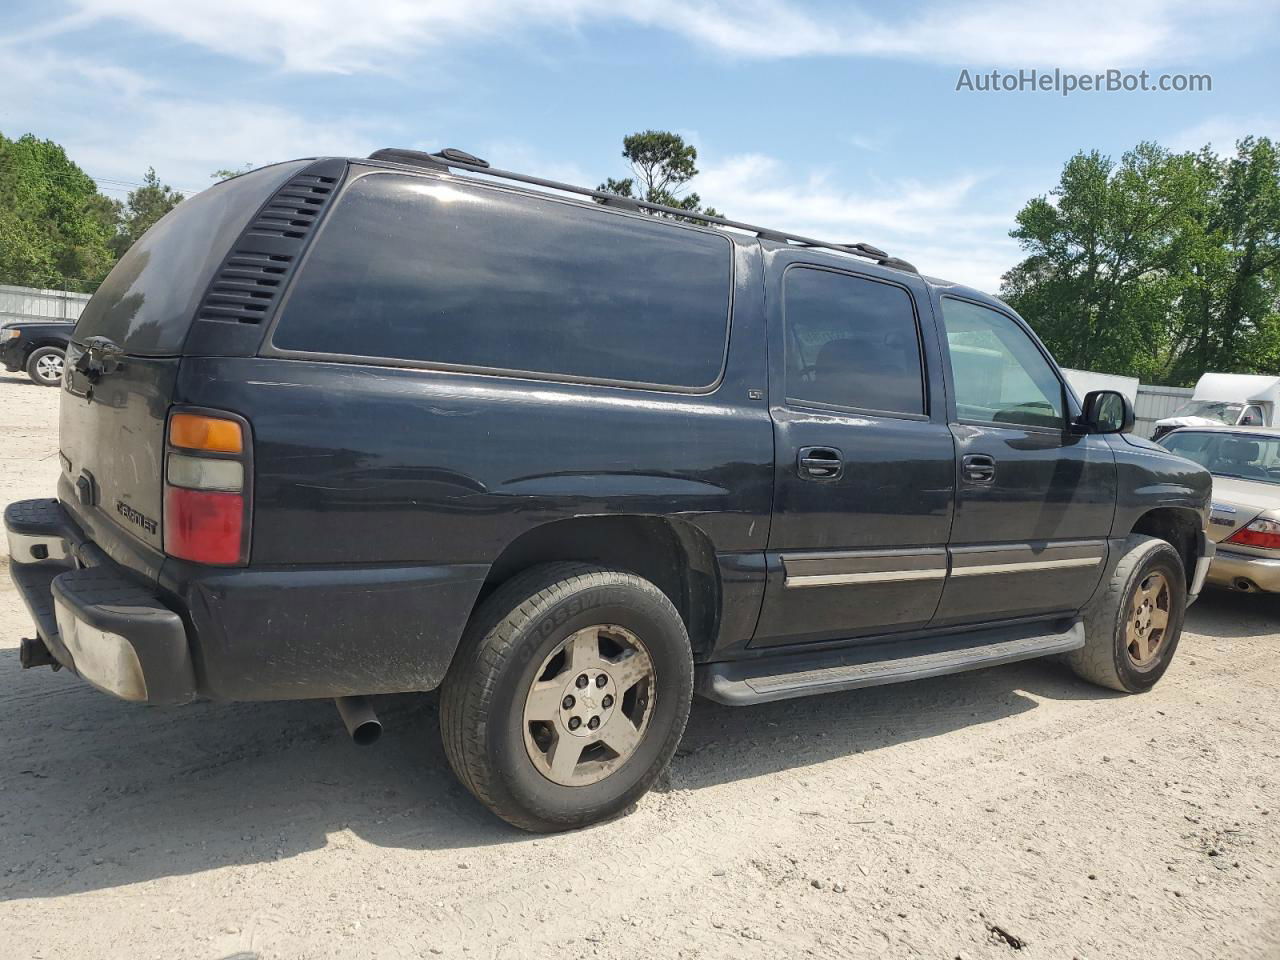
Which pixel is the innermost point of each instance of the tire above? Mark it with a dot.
(509, 742)
(1148, 580)
(44, 366)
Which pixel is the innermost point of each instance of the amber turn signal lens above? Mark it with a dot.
(192, 431)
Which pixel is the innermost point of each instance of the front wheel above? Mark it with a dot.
(44, 366)
(568, 695)
(1133, 626)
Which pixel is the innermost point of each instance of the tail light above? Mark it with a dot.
(1261, 533)
(206, 488)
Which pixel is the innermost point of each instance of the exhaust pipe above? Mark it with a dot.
(1243, 585)
(361, 722)
(33, 653)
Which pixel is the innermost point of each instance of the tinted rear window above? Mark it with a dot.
(147, 302)
(416, 269)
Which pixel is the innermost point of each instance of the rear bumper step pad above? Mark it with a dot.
(96, 621)
(743, 682)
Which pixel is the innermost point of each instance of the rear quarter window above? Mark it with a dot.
(149, 299)
(413, 269)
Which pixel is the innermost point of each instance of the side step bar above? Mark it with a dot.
(760, 680)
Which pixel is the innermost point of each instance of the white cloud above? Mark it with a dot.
(1222, 132)
(955, 228)
(115, 123)
(187, 140)
(337, 36)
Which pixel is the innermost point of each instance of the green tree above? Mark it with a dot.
(1163, 266)
(144, 206)
(1109, 258)
(662, 165)
(1229, 321)
(55, 227)
(226, 173)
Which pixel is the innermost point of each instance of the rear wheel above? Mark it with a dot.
(44, 366)
(1133, 626)
(568, 695)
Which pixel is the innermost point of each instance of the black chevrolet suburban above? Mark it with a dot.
(345, 427)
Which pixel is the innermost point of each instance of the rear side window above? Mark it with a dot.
(415, 269)
(147, 303)
(851, 342)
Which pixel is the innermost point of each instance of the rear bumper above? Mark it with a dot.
(93, 619)
(1229, 567)
(250, 633)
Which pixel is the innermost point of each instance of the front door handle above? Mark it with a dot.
(978, 468)
(820, 463)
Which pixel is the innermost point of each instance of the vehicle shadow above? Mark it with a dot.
(100, 793)
(17, 379)
(1229, 613)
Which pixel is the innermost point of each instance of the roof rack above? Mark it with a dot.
(451, 157)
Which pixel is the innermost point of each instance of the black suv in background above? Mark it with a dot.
(344, 427)
(36, 346)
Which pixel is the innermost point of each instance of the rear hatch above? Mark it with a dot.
(122, 365)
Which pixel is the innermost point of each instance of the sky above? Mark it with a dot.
(837, 120)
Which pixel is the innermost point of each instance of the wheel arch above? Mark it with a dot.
(673, 554)
(40, 344)
(1178, 526)
(44, 342)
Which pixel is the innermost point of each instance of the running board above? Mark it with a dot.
(760, 680)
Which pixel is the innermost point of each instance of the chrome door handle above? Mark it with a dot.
(820, 463)
(978, 468)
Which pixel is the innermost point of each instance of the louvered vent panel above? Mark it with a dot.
(294, 209)
(246, 288)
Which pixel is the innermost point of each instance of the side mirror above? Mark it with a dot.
(1107, 411)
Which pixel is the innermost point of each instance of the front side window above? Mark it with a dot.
(999, 374)
(417, 269)
(851, 342)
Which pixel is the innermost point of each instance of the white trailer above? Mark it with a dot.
(1083, 381)
(1233, 399)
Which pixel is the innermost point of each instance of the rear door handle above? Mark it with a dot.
(820, 463)
(978, 468)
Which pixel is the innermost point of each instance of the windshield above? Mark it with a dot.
(1229, 454)
(1220, 410)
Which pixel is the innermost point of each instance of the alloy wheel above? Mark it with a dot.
(1147, 624)
(589, 705)
(49, 368)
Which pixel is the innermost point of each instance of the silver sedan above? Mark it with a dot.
(1245, 519)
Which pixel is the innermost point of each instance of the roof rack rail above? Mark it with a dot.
(460, 159)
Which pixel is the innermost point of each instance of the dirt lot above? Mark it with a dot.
(1011, 811)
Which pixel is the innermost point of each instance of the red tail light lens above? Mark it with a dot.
(206, 488)
(203, 527)
(1260, 533)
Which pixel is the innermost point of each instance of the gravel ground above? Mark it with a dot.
(1009, 811)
